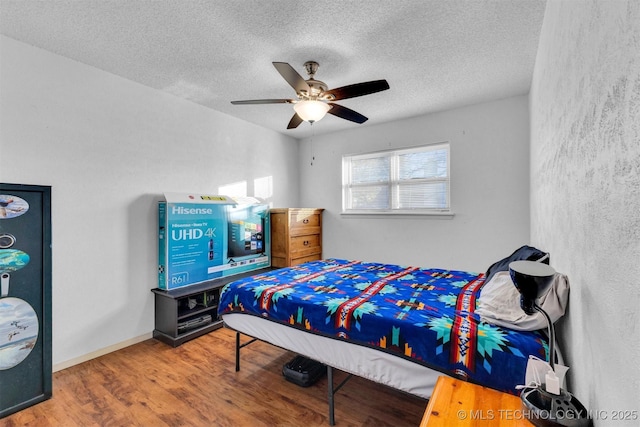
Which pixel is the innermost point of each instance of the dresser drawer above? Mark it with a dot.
(304, 223)
(303, 245)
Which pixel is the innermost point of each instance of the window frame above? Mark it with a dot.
(394, 183)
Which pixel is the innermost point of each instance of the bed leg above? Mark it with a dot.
(332, 390)
(239, 346)
(237, 351)
(330, 394)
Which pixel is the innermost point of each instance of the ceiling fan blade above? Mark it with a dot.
(291, 76)
(358, 89)
(346, 113)
(263, 101)
(294, 122)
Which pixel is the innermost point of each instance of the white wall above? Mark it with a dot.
(585, 191)
(489, 189)
(109, 148)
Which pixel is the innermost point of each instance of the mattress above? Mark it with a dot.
(355, 359)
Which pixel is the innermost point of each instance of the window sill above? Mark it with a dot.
(399, 214)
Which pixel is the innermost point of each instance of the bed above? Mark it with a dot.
(401, 326)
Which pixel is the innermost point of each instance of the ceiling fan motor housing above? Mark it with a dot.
(316, 87)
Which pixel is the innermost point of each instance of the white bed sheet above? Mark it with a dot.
(369, 363)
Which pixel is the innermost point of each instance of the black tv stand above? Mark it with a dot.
(186, 313)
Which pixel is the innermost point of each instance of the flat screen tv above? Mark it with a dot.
(246, 231)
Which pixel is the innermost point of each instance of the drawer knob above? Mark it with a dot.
(305, 221)
(306, 243)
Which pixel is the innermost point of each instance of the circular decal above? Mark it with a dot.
(18, 331)
(12, 260)
(12, 206)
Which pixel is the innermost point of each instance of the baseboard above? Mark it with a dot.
(76, 361)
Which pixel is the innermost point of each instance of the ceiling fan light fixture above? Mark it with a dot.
(311, 111)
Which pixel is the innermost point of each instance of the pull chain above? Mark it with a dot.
(312, 134)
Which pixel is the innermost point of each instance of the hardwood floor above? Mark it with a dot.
(153, 384)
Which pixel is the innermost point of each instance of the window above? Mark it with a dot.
(414, 180)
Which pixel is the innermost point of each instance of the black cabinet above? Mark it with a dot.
(25, 296)
(186, 313)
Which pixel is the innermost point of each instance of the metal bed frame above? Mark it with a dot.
(331, 390)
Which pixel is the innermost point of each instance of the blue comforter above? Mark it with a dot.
(424, 315)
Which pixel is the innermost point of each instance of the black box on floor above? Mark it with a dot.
(303, 371)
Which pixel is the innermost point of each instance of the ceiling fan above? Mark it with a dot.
(314, 100)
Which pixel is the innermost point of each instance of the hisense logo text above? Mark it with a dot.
(181, 210)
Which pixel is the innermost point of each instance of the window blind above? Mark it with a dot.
(409, 180)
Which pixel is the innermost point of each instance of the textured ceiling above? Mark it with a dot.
(435, 55)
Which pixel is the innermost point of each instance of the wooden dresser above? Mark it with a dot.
(296, 236)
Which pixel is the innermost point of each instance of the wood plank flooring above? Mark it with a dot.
(153, 384)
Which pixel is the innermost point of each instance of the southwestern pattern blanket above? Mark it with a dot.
(421, 314)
